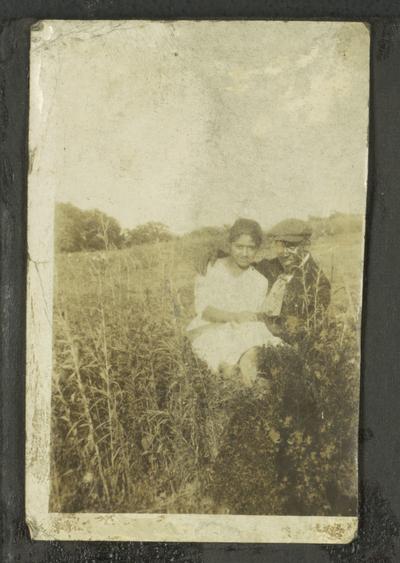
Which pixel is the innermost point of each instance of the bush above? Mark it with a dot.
(290, 448)
(148, 233)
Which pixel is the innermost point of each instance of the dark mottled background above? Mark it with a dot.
(378, 539)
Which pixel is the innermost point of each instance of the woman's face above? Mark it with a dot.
(243, 251)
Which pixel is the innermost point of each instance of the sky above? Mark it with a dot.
(196, 123)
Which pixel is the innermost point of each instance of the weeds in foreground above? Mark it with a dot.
(140, 425)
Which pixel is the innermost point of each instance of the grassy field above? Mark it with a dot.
(138, 421)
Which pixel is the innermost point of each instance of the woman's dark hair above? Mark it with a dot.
(246, 227)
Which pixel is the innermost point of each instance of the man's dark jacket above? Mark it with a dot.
(306, 297)
(307, 293)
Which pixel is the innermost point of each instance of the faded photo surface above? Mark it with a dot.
(197, 194)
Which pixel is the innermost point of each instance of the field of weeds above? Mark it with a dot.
(140, 425)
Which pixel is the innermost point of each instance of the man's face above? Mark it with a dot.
(287, 253)
(243, 251)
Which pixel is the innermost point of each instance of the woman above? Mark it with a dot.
(228, 330)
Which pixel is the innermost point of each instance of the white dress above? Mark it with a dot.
(225, 343)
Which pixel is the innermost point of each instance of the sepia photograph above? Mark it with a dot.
(197, 196)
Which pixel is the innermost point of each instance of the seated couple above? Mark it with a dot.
(230, 302)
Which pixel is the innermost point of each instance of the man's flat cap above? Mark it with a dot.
(291, 230)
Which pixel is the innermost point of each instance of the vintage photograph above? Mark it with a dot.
(197, 196)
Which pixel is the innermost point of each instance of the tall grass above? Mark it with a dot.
(139, 424)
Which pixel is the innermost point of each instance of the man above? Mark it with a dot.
(299, 291)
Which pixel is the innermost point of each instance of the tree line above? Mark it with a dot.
(77, 229)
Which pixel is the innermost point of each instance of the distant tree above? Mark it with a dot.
(68, 227)
(208, 232)
(100, 232)
(77, 230)
(345, 223)
(150, 232)
(337, 223)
